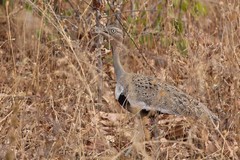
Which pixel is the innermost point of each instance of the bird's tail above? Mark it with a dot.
(206, 114)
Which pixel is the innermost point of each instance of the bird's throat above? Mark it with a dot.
(118, 68)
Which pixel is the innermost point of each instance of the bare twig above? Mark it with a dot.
(10, 37)
(97, 6)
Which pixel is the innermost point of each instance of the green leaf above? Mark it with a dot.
(184, 6)
(68, 12)
(176, 3)
(199, 9)
(178, 26)
(28, 6)
(182, 46)
(166, 42)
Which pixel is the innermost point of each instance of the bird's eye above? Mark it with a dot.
(113, 30)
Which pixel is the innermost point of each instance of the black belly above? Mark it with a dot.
(126, 105)
(123, 101)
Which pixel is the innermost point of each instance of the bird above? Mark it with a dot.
(139, 93)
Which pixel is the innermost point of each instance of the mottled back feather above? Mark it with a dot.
(149, 93)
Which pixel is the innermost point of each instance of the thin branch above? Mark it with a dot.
(97, 4)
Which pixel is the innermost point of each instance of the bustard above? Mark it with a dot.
(138, 92)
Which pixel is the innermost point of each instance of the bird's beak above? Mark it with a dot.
(105, 30)
(100, 30)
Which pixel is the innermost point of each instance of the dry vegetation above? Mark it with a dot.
(49, 107)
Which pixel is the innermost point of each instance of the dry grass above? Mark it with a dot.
(48, 83)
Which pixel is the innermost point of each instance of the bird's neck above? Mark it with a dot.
(118, 68)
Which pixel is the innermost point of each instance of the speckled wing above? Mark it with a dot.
(150, 94)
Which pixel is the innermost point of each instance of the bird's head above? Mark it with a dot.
(113, 34)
